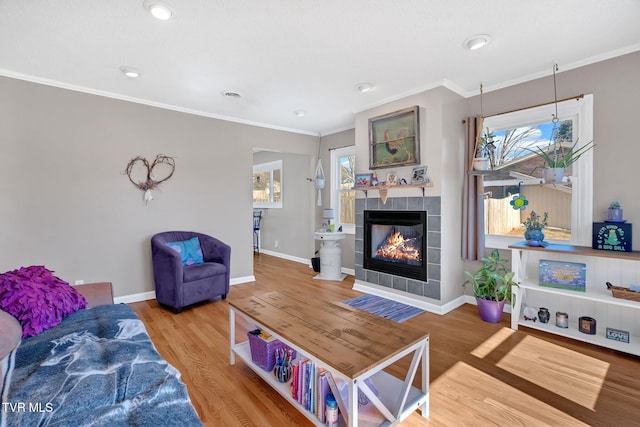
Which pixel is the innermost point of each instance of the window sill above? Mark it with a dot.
(349, 229)
(503, 242)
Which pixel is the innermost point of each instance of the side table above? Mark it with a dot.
(330, 255)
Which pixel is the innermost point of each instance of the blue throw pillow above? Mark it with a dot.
(189, 251)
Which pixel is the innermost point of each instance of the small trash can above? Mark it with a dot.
(315, 263)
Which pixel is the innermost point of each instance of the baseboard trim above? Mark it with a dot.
(145, 296)
(127, 299)
(285, 256)
(350, 271)
(239, 280)
(307, 261)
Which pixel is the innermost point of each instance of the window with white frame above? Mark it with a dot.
(267, 185)
(516, 137)
(343, 197)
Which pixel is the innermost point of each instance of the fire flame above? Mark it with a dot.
(398, 247)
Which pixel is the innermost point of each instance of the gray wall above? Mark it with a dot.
(616, 90)
(66, 203)
(292, 225)
(441, 145)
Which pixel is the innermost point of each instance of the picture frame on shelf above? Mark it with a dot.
(394, 139)
(419, 175)
(363, 180)
(617, 335)
(563, 275)
(612, 236)
(392, 179)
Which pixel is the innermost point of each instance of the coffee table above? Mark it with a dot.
(351, 344)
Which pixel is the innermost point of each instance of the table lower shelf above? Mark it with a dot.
(386, 384)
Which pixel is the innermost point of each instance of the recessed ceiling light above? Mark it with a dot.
(158, 9)
(130, 72)
(299, 113)
(364, 87)
(230, 94)
(477, 41)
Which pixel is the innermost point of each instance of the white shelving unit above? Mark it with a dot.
(621, 268)
(390, 388)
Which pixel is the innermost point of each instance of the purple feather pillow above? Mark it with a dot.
(37, 298)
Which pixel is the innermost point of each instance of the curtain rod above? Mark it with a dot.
(577, 97)
(338, 148)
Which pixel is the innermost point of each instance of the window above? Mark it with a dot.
(343, 197)
(267, 185)
(518, 172)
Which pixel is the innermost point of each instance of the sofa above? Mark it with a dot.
(97, 366)
(189, 267)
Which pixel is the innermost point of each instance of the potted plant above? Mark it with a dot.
(492, 285)
(558, 159)
(615, 212)
(484, 150)
(533, 228)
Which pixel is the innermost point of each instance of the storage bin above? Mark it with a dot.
(624, 293)
(263, 352)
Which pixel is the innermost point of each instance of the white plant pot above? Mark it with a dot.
(481, 164)
(552, 175)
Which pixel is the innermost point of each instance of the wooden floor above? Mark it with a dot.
(481, 374)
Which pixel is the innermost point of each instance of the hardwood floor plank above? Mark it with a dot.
(481, 373)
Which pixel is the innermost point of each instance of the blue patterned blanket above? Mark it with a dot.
(98, 367)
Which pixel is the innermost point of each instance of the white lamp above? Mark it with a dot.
(329, 214)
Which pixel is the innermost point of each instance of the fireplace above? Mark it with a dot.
(395, 242)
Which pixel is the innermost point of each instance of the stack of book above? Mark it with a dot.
(311, 384)
(310, 387)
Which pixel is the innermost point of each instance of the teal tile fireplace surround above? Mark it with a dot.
(431, 205)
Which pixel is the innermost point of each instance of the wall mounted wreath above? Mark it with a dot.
(165, 163)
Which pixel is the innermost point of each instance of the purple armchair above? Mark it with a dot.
(178, 285)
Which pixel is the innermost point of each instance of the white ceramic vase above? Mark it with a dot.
(481, 164)
(552, 175)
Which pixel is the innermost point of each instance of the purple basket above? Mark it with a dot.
(263, 353)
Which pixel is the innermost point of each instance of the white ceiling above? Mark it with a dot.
(287, 55)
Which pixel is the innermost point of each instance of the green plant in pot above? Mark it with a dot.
(484, 152)
(492, 285)
(534, 225)
(559, 159)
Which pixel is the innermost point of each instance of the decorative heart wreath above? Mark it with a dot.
(151, 182)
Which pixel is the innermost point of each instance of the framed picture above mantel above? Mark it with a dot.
(394, 139)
